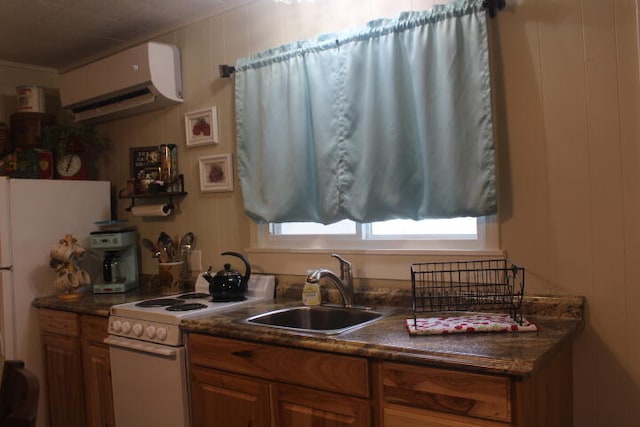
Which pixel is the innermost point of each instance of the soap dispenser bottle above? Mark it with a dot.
(311, 293)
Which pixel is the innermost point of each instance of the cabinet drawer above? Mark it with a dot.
(402, 416)
(462, 393)
(331, 372)
(59, 322)
(94, 328)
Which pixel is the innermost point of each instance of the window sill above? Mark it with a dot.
(392, 264)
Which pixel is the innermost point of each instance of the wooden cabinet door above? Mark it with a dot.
(97, 379)
(302, 407)
(223, 400)
(97, 372)
(63, 363)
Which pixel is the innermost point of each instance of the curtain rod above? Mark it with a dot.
(492, 6)
(226, 70)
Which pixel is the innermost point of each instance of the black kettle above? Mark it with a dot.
(229, 284)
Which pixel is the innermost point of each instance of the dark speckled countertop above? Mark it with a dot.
(387, 339)
(99, 304)
(559, 319)
(89, 303)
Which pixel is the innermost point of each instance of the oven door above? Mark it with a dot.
(149, 383)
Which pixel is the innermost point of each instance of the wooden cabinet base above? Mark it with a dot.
(240, 383)
(78, 371)
(422, 396)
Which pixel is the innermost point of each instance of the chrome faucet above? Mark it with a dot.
(344, 283)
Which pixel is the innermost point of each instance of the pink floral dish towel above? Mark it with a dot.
(467, 324)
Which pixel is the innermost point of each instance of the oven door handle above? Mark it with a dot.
(141, 346)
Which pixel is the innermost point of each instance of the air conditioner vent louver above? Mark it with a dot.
(115, 100)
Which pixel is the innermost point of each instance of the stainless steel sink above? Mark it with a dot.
(318, 319)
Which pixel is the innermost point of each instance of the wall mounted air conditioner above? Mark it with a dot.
(140, 79)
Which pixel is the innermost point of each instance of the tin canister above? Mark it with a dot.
(169, 166)
(170, 277)
(30, 99)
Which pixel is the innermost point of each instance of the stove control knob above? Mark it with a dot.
(116, 326)
(137, 330)
(126, 327)
(151, 331)
(161, 333)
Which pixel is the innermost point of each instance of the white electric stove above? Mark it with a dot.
(148, 359)
(157, 320)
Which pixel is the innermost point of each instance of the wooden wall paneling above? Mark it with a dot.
(522, 143)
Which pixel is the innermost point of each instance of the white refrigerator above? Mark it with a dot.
(34, 214)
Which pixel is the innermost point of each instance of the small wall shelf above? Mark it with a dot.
(167, 195)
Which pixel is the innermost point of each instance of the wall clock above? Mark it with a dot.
(71, 166)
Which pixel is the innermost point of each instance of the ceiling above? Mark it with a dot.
(60, 34)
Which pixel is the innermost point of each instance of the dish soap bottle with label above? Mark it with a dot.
(311, 293)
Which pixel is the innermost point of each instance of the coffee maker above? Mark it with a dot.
(119, 260)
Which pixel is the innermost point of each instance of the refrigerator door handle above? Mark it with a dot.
(8, 267)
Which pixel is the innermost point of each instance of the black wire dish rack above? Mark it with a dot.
(486, 286)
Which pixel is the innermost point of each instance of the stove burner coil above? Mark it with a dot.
(160, 302)
(186, 307)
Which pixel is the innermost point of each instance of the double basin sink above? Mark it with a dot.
(318, 319)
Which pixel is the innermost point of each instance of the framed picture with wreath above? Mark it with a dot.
(201, 127)
(216, 173)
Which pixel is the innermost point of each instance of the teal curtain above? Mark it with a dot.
(388, 121)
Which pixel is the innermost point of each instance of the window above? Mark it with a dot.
(432, 234)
